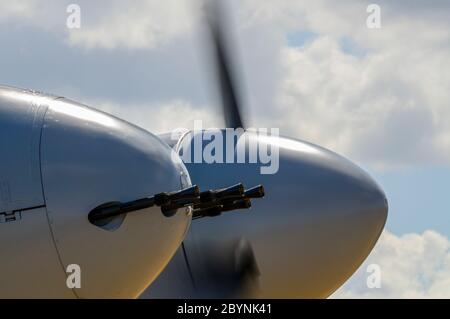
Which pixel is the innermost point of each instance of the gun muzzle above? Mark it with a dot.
(235, 191)
(255, 192)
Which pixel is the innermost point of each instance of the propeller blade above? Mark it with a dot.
(229, 270)
(231, 106)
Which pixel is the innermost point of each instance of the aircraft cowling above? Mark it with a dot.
(64, 160)
(90, 158)
(319, 220)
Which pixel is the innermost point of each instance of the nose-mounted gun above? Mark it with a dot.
(208, 203)
(215, 202)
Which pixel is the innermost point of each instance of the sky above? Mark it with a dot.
(380, 97)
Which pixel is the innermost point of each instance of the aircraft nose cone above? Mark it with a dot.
(339, 214)
(323, 216)
(319, 220)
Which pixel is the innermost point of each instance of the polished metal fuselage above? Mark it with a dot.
(60, 159)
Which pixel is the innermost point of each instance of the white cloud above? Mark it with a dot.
(385, 108)
(384, 101)
(134, 25)
(13, 10)
(412, 266)
(144, 24)
(161, 117)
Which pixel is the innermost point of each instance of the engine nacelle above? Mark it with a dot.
(64, 160)
(319, 220)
